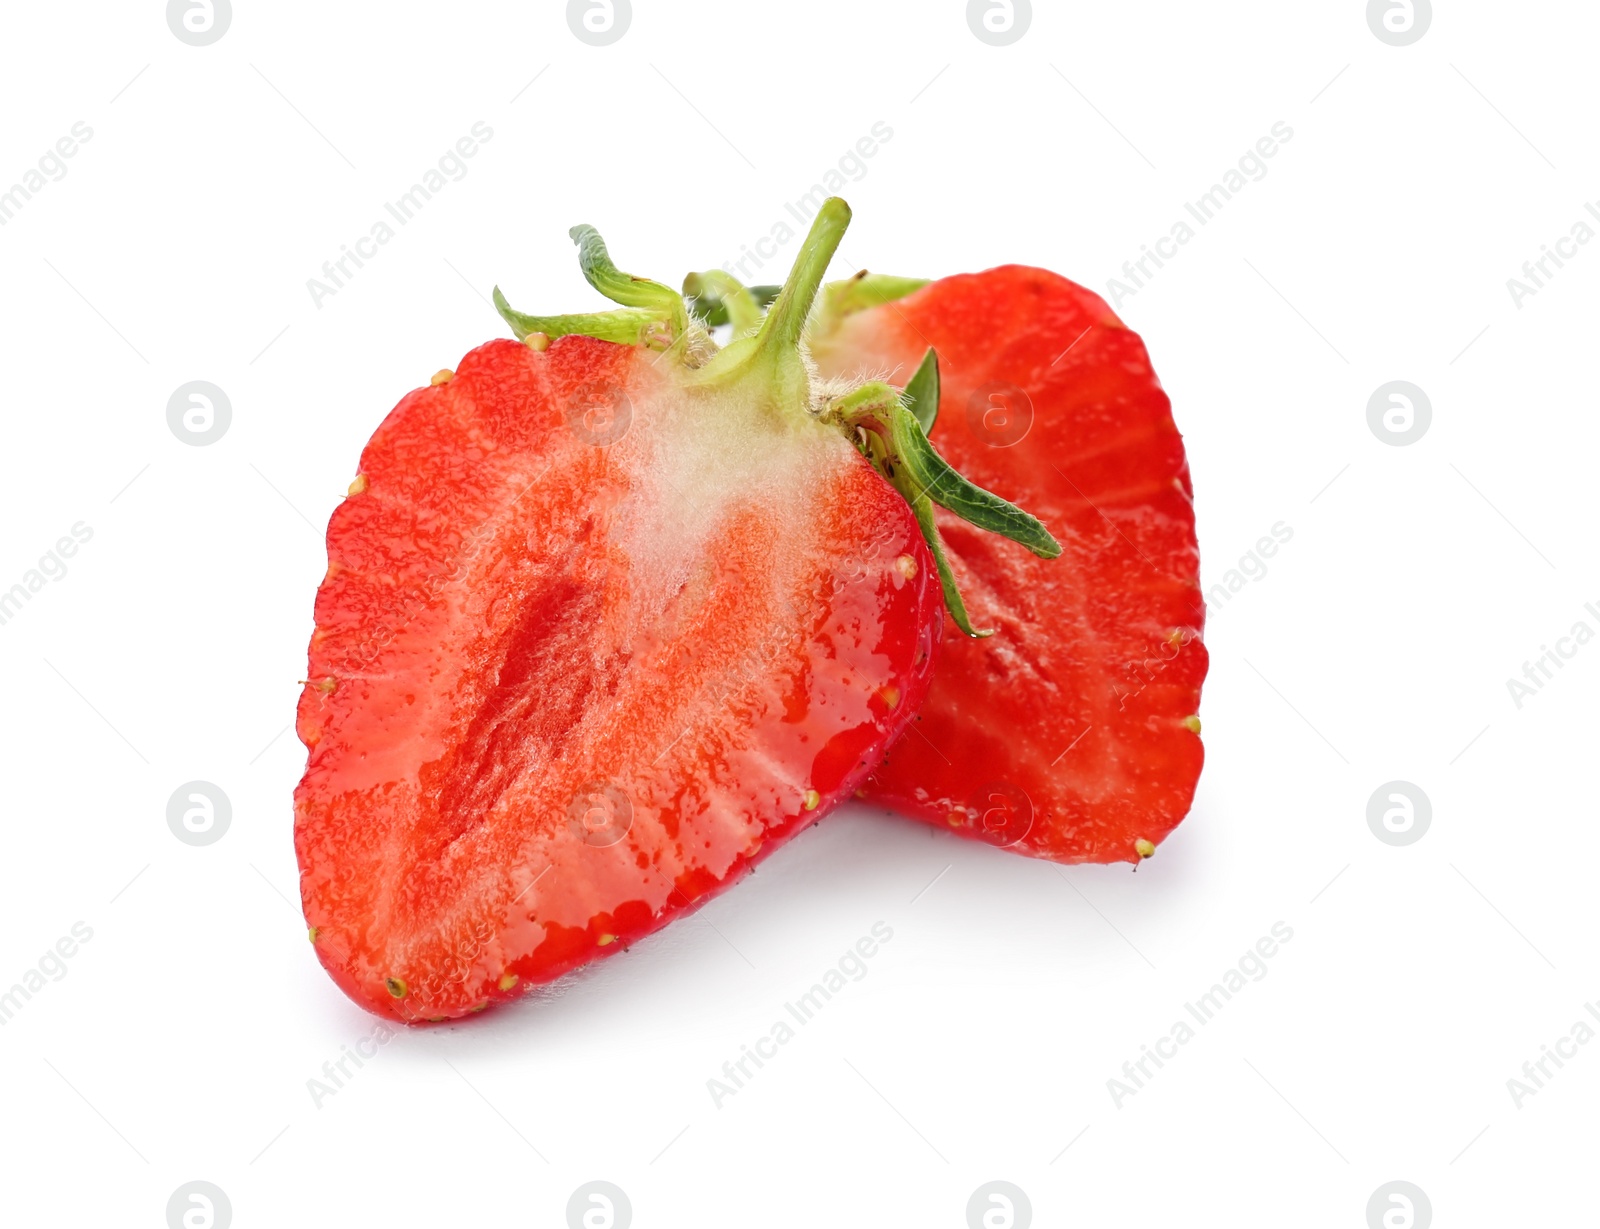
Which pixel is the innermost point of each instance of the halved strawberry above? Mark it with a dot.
(604, 623)
(1072, 733)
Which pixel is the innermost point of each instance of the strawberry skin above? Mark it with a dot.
(569, 680)
(1071, 734)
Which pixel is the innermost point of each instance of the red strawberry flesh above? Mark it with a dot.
(1070, 734)
(569, 680)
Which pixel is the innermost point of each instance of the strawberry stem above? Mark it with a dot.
(787, 319)
(771, 356)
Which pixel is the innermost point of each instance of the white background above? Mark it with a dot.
(179, 1043)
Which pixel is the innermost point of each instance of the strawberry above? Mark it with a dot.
(1072, 733)
(610, 614)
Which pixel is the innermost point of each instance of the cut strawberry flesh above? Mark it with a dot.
(1072, 733)
(589, 646)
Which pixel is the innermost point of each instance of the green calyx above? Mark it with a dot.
(624, 288)
(766, 358)
(864, 290)
(921, 393)
(887, 429)
(769, 360)
(628, 327)
(717, 297)
(654, 314)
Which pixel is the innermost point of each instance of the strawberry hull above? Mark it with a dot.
(591, 644)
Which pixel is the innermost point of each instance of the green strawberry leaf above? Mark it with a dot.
(710, 294)
(922, 506)
(628, 327)
(622, 287)
(864, 290)
(921, 394)
(932, 475)
(890, 435)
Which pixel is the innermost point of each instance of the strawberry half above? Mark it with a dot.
(1072, 732)
(609, 615)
